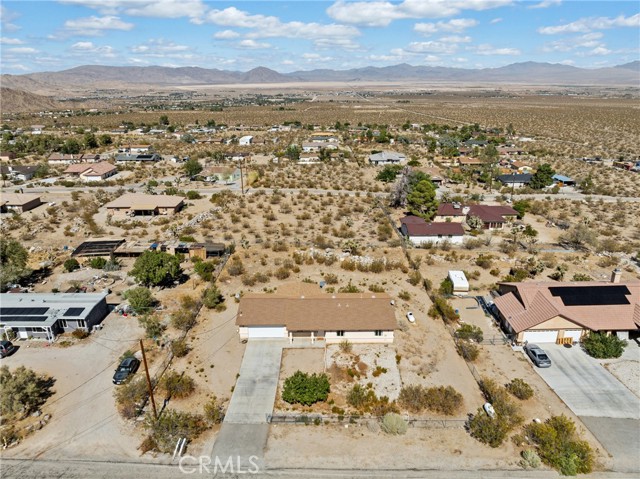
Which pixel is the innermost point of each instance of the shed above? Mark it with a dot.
(460, 283)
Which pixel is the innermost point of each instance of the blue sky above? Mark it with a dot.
(303, 35)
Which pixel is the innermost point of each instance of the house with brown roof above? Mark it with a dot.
(553, 312)
(305, 311)
(18, 203)
(419, 232)
(62, 159)
(492, 216)
(92, 171)
(138, 204)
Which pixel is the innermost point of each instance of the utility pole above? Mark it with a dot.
(146, 370)
(241, 163)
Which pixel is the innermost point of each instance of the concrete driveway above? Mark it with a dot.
(586, 386)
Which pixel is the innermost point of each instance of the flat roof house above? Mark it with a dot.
(140, 158)
(304, 311)
(92, 171)
(553, 312)
(137, 204)
(387, 158)
(420, 232)
(562, 180)
(45, 315)
(515, 180)
(18, 202)
(245, 140)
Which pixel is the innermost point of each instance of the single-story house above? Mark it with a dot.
(7, 155)
(92, 171)
(305, 311)
(552, 312)
(134, 204)
(468, 162)
(562, 180)
(420, 232)
(515, 180)
(387, 158)
(245, 140)
(510, 151)
(222, 174)
(433, 173)
(141, 158)
(18, 202)
(45, 315)
(324, 137)
(493, 216)
(315, 146)
(459, 281)
(308, 158)
(67, 159)
(134, 149)
(18, 172)
(451, 212)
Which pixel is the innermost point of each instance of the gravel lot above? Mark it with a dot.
(627, 367)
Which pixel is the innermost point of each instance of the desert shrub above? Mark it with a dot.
(349, 265)
(331, 278)
(80, 333)
(376, 288)
(8, 434)
(235, 267)
(130, 395)
(172, 425)
(469, 331)
(530, 459)
(404, 295)
(581, 277)
(177, 385)
(211, 298)
(441, 308)
(485, 262)
(393, 423)
(558, 446)
(193, 195)
(97, 263)
(415, 278)
(360, 397)
(604, 346)
(377, 266)
(152, 325)
(468, 351)
(490, 431)
(213, 411)
(282, 273)
(444, 400)
(71, 265)
(520, 389)
(22, 391)
(140, 299)
(346, 346)
(446, 287)
(305, 389)
(248, 280)
(350, 288)
(179, 347)
(205, 269)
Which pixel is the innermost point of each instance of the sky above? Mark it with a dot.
(304, 35)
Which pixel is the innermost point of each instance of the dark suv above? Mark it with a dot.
(127, 367)
(6, 348)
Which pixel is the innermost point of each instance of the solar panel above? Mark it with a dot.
(23, 311)
(30, 319)
(73, 312)
(591, 295)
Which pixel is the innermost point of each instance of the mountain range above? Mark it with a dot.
(532, 73)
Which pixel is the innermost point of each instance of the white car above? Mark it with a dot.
(410, 317)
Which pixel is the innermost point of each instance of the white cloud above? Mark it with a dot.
(567, 62)
(456, 39)
(11, 41)
(585, 25)
(495, 20)
(382, 13)
(226, 35)
(159, 46)
(96, 25)
(17, 67)
(84, 48)
(6, 19)
(588, 40)
(431, 47)
(22, 50)
(193, 9)
(431, 59)
(287, 62)
(598, 51)
(487, 49)
(253, 45)
(546, 4)
(455, 25)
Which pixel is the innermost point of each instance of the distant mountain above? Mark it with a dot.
(88, 77)
(15, 101)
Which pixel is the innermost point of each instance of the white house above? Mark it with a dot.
(387, 158)
(420, 232)
(459, 281)
(308, 159)
(245, 140)
(305, 311)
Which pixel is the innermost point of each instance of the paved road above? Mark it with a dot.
(620, 437)
(586, 386)
(12, 469)
(244, 432)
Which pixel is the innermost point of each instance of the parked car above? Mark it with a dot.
(537, 355)
(127, 367)
(6, 348)
(410, 317)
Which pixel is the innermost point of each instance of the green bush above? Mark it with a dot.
(441, 308)
(559, 446)
(97, 263)
(211, 298)
(490, 431)
(305, 389)
(152, 325)
(469, 331)
(193, 195)
(173, 425)
(441, 399)
(140, 299)
(22, 391)
(360, 397)
(154, 268)
(130, 395)
(71, 265)
(205, 269)
(520, 389)
(604, 346)
(414, 278)
(446, 287)
(213, 411)
(179, 347)
(393, 423)
(530, 459)
(468, 351)
(177, 385)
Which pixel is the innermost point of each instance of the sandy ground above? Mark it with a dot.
(627, 367)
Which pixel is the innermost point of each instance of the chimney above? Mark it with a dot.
(616, 275)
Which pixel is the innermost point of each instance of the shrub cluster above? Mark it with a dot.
(177, 385)
(170, 426)
(441, 308)
(604, 346)
(365, 400)
(22, 391)
(441, 399)
(306, 389)
(393, 423)
(469, 331)
(520, 389)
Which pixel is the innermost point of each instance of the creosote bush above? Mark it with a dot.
(520, 389)
(440, 399)
(393, 423)
(305, 389)
(177, 385)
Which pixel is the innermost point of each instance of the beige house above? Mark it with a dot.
(138, 204)
(552, 312)
(92, 172)
(304, 311)
(18, 202)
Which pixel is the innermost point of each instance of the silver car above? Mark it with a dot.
(537, 355)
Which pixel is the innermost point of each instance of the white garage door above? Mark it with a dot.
(267, 332)
(574, 334)
(549, 336)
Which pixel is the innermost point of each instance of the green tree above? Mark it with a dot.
(13, 262)
(305, 389)
(192, 167)
(212, 297)
(154, 268)
(292, 152)
(164, 120)
(421, 200)
(543, 177)
(205, 269)
(140, 299)
(71, 147)
(475, 222)
(90, 140)
(152, 325)
(71, 265)
(105, 140)
(22, 391)
(521, 206)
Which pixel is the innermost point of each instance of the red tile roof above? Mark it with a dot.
(419, 227)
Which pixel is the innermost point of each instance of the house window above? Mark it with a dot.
(378, 332)
(439, 236)
(63, 323)
(81, 323)
(339, 333)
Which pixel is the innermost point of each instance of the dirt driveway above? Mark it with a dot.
(84, 421)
